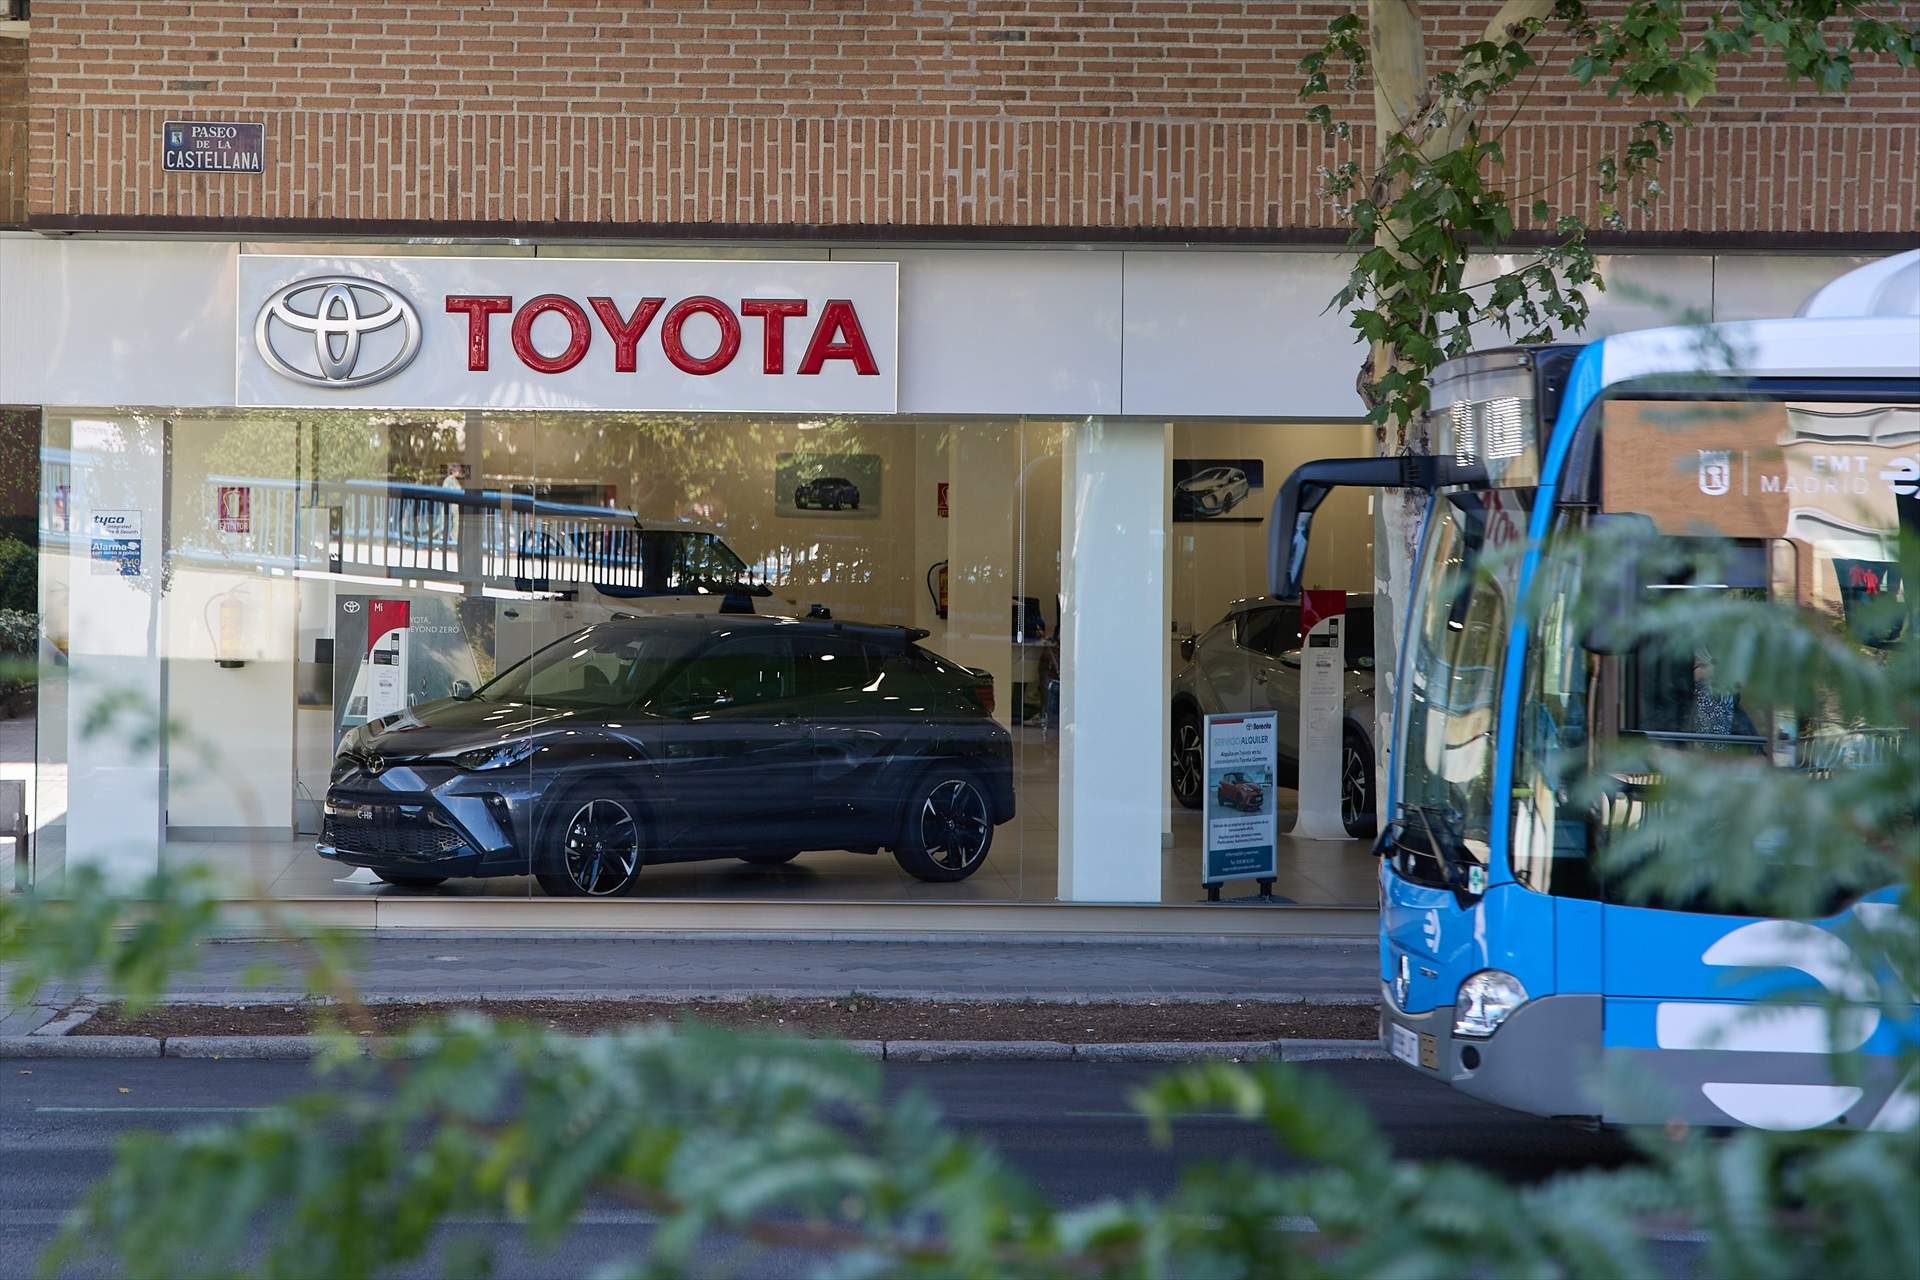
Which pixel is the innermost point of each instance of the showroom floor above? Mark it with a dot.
(1317, 873)
(1022, 866)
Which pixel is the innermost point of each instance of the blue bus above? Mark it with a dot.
(1511, 966)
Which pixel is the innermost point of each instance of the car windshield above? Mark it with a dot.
(600, 667)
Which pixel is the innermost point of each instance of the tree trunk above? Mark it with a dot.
(1397, 48)
(1402, 103)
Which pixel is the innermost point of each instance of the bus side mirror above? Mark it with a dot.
(1303, 492)
(1617, 553)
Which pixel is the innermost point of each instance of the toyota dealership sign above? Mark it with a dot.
(531, 333)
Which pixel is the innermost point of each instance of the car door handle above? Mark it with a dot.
(1260, 677)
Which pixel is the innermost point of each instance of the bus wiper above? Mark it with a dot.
(1446, 852)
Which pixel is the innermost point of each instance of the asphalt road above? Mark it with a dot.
(1066, 1125)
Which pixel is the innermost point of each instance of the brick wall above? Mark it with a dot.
(13, 132)
(1102, 115)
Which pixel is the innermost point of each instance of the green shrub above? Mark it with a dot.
(19, 576)
(19, 632)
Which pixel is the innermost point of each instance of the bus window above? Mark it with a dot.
(1787, 503)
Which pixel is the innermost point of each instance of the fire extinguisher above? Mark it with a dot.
(228, 627)
(937, 587)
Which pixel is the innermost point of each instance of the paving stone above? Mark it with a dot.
(27, 1019)
(932, 967)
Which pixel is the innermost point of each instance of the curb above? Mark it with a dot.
(302, 1048)
(79, 1047)
(246, 1047)
(977, 1051)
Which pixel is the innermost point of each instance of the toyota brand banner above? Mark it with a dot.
(572, 333)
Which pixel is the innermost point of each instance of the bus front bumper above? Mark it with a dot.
(1541, 1060)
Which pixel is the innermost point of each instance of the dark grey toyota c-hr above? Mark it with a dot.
(676, 738)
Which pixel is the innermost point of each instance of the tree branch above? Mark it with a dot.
(1399, 63)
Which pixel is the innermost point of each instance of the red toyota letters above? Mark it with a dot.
(836, 335)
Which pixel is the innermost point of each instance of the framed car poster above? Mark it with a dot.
(839, 485)
(1218, 489)
(1238, 818)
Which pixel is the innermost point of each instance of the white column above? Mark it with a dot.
(115, 770)
(982, 498)
(1113, 652)
(1166, 637)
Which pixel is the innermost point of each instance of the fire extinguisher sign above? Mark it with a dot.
(236, 508)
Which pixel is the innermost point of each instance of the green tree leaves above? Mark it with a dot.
(1438, 189)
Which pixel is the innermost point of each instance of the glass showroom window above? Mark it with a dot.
(587, 654)
(577, 654)
(1235, 650)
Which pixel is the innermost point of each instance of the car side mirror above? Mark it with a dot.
(1291, 658)
(462, 690)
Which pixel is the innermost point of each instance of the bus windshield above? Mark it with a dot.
(1796, 504)
(1458, 640)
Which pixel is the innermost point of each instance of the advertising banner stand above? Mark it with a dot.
(1238, 841)
(1323, 673)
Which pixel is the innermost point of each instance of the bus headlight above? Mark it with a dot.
(1486, 1000)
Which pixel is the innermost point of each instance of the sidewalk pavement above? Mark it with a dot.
(578, 966)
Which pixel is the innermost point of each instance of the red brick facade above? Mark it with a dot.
(602, 116)
(13, 132)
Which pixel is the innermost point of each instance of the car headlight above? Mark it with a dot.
(500, 755)
(1486, 1000)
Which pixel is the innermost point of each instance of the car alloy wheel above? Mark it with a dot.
(954, 829)
(1188, 761)
(602, 844)
(1356, 786)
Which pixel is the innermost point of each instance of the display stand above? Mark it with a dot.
(1323, 670)
(1239, 818)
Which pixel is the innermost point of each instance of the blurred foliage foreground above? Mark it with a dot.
(726, 1145)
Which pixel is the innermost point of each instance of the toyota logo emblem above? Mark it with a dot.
(337, 331)
(374, 764)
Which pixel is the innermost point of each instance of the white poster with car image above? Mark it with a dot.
(395, 652)
(1240, 818)
(1219, 489)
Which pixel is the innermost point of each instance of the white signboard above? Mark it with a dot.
(1323, 671)
(667, 335)
(114, 547)
(1239, 834)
